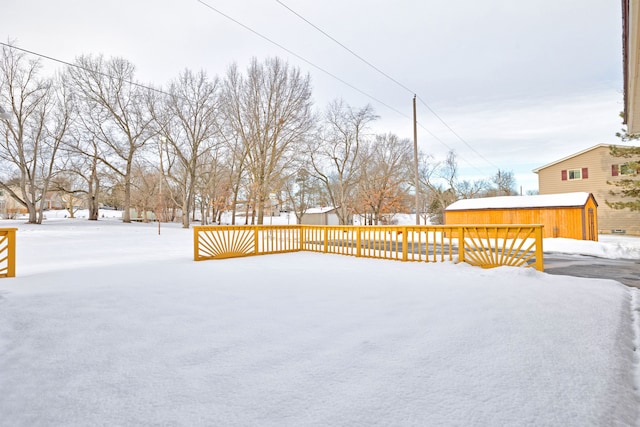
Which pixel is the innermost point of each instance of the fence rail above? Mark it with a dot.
(7, 252)
(480, 245)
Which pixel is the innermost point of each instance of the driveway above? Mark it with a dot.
(624, 271)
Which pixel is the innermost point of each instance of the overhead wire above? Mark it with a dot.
(344, 47)
(71, 64)
(387, 76)
(262, 36)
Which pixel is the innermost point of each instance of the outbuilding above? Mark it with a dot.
(570, 215)
(320, 216)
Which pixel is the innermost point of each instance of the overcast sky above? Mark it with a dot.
(521, 84)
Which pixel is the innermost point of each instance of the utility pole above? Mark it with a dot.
(415, 161)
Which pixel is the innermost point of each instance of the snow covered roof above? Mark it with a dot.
(516, 202)
(319, 210)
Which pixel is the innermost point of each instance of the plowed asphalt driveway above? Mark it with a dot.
(624, 271)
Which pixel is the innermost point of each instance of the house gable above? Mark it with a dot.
(590, 171)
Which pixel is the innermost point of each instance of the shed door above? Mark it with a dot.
(591, 225)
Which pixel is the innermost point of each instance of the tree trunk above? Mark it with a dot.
(261, 201)
(186, 206)
(126, 214)
(93, 191)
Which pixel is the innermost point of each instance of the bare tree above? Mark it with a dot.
(302, 191)
(40, 118)
(81, 169)
(144, 190)
(115, 113)
(382, 188)
(234, 168)
(441, 186)
(504, 184)
(214, 185)
(270, 110)
(335, 157)
(69, 188)
(186, 120)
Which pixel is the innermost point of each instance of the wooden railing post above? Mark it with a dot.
(405, 240)
(255, 239)
(461, 248)
(196, 243)
(325, 233)
(539, 249)
(12, 254)
(358, 241)
(10, 248)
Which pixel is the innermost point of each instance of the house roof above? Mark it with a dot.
(522, 202)
(319, 210)
(577, 154)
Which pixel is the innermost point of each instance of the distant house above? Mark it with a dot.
(9, 207)
(590, 171)
(53, 200)
(320, 216)
(569, 215)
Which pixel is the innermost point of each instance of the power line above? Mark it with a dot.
(300, 57)
(246, 27)
(386, 76)
(446, 145)
(345, 47)
(456, 134)
(70, 64)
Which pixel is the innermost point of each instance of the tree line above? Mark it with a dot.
(201, 145)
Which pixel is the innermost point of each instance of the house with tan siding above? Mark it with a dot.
(590, 171)
(9, 208)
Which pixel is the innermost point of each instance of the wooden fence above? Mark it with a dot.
(481, 245)
(8, 252)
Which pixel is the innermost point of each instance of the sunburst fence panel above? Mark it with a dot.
(7, 252)
(217, 242)
(224, 242)
(503, 245)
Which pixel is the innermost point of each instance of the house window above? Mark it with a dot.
(574, 174)
(628, 169)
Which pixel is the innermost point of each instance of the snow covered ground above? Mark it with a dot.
(113, 324)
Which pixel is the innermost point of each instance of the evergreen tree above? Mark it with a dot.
(628, 185)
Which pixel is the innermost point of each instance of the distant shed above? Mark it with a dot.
(320, 216)
(570, 215)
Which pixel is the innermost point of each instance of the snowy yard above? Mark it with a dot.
(112, 324)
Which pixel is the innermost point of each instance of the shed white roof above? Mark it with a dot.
(319, 210)
(515, 202)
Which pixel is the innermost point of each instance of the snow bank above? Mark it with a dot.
(608, 246)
